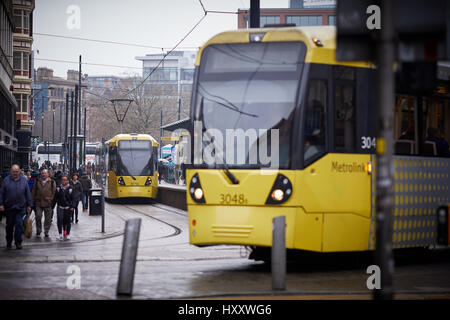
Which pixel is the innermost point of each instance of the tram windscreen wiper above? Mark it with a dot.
(230, 176)
(228, 173)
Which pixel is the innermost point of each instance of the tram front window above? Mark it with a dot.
(244, 90)
(135, 158)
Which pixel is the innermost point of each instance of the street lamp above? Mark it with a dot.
(53, 120)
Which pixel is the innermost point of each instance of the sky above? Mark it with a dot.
(158, 23)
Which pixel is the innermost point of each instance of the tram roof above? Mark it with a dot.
(325, 54)
(131, 136)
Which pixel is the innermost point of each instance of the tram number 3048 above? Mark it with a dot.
(368, 142)
(227, 198)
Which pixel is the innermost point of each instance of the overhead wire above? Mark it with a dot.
(133, 44)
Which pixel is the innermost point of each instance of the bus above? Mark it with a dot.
(53, 152)
(280, 91)
(131, 166)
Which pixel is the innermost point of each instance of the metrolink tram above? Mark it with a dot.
(130, 164)
(283, 129)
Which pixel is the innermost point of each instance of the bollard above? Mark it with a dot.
(103, 210)
(129, 254)
(279, 253)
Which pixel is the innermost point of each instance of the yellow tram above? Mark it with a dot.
(285, 86)
(131, 164)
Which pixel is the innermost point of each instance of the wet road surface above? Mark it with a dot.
(169, 267)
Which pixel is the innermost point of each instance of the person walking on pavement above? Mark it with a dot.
(31, 182)
(78, 191)
(15, 200)
(65, 202)
(43, 193)
(86, 183)
(89, 169)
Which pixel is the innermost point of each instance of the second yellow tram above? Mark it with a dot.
(131, 165)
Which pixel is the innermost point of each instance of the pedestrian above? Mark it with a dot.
(86, 183)
(89, 169)
(15, 200)
(64, 200)
(31, 182)
(57, 177)
(43, 193)
(78, 191)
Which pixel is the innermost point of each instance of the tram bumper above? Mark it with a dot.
(242, 225)
(137, 192)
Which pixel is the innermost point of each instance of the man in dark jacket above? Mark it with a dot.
(87, 185)
(78, 191)
(15, 200)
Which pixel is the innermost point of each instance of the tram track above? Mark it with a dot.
(176, 232)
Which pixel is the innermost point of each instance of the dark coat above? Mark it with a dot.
(15, 195)
(78, 190)
(64, 197)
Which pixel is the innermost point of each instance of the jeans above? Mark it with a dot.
(63, 219)
(85, 199)
(75, 212)
(14, 225)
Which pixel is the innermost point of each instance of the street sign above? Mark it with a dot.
(421, 29)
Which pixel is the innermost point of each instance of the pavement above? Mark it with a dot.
(87, 229)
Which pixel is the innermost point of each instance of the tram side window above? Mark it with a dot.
(112, 166)
(344, 104)
(315, 121)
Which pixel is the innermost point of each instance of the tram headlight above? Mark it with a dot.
(281, 190)
(121, 181)
(277, 195)
(196, 190)
(148, 182)
(198, 193)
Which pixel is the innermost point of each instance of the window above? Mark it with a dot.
(269, 20)
(331, 20)
(22, 100)
(315, 121)
(162, 74)
(305, 20)
(344, 105)
(22, 20)
(21, 60)
(187, 74)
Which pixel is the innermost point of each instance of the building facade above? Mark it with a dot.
(174, 75)
(22, 48)
(49, 103)
(300, 13)
(8, 104)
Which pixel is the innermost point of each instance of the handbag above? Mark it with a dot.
(28, 230)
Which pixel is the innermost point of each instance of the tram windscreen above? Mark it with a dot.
(135, 158)
(246, 92)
